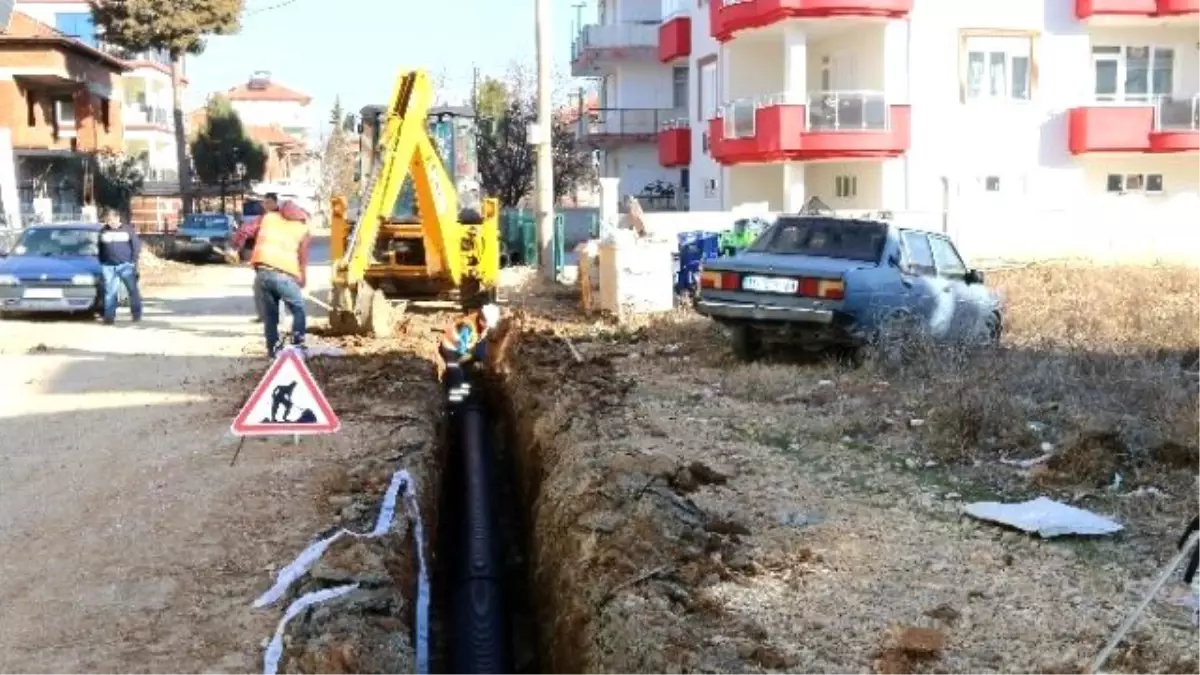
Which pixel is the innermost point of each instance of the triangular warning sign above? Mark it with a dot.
(286, 402)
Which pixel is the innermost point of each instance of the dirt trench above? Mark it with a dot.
(620, 555)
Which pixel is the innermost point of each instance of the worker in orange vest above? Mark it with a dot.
(280, 262)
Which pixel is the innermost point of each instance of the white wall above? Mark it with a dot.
(268, 113)
(9, 198)
(640, 85)
(637, 166)
(628, 11)
(703, 168)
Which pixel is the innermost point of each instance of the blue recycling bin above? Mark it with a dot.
(694, 248)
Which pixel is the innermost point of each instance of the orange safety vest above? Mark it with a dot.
(278, 244)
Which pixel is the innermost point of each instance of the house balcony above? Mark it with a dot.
(597, 49)
(820, 126)
(137, 115)
(675, 37)
(727, 17)
(675, 143)
(607, 128)
(1167, 125)
(1109, 10)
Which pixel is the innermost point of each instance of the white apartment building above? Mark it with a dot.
(637, 94)
(931, 105)
(146, 98)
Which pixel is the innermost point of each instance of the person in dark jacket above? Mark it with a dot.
(120, 249)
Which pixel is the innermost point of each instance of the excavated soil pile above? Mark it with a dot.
(621, 554)
(388, 401)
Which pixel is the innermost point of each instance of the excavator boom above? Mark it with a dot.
(439, 248)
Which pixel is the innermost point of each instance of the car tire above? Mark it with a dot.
(994, 329)
(747, 343)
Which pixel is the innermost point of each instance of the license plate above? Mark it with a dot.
(43, 294)
(770, 284)
(200, 240)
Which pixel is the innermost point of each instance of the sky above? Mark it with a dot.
(352, 49)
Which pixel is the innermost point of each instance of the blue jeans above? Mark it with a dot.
(114, 277)
(279, 287)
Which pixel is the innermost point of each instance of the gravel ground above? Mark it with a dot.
(686, 528)
(133, 545)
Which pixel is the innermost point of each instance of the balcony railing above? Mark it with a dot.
(847, 111)
(627, 121)
(676, 123)
(673, 8)
(159, 56)
(615, 36)
(1177, 114)
(824, 111)
(146, 115)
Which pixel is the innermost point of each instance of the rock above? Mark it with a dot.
(602, 521)
(352, 561)
(727, 526)
(916, 641)
(771, 658)
(916, 422)
(944, 613)
(709, 474)
(339, 500)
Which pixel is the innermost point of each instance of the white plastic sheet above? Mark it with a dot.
(401, 480)
(1044, 517)
(275, 648)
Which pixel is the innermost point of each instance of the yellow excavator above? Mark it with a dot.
(420, 232)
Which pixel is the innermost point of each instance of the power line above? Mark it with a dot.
(260, 10)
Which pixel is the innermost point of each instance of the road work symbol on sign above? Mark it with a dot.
(287, 402)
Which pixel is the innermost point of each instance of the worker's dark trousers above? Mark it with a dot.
(455, 373)
(279, 287)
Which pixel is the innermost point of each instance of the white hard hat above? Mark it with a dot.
(491, 313)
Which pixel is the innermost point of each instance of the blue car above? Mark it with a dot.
(823, 282)
(203, 236)
(53, 268)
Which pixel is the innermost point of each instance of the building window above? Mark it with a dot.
(105, 111)
(1134, 183)
(64, 112)
(78, 25)
(991, 183)
(1132, 73)
(846, 187)
(679, 92)
(707, 88)
(710, 188)
(998, 67)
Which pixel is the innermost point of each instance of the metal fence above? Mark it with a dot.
(623, 35)
(626, 121)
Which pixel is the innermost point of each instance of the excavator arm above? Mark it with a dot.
(459, 248)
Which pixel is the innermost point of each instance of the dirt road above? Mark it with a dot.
(130, 543)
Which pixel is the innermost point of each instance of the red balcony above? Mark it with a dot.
(675, 39)
(1165, 127)
(830, 125)
(1088, 9)
(726, 17)
(1179, 8)
(675, 144)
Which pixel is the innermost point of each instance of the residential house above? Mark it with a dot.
(147, 106)
(60, 100)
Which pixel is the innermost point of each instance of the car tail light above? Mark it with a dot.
(716, 281)
(825, 289)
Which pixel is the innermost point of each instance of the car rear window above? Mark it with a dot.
(824, 238)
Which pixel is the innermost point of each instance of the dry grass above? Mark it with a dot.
(1099, 362)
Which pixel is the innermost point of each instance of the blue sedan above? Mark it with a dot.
(824, 281)
(53, 268)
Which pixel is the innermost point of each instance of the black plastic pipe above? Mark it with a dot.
(479, 640)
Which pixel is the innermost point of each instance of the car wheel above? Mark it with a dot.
(994, 329)
(747, 344)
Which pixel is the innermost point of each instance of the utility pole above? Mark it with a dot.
(544, 178)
